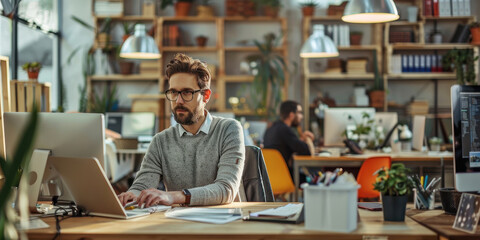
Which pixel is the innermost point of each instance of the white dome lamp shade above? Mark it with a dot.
(318, 45)
(370, 11)
(140, 45)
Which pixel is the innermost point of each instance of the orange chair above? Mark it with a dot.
(277, 169)
(366, 177)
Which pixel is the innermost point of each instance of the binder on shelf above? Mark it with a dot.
(411, 64)
(427, 4)
(454, 5)
(461, 35)
(467, 6)
(461, 8)
(404, 63)
(435, 8)
(444, 8)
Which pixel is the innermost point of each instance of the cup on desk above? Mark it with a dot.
(418, 203)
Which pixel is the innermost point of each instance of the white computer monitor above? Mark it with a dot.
(337, 120)
(132, 124)
(466, 137)
(78, 135)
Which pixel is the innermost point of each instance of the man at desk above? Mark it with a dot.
(282, 137)
(200, 160)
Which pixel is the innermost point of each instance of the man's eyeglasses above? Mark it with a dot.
(187, 95)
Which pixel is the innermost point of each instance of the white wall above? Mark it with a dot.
(75, 35)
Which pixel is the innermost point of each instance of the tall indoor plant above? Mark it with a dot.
(377, 93)
(394, 184)
(463, 62)
(270, 68)
(12, 170)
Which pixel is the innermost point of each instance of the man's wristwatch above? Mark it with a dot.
(188, 195)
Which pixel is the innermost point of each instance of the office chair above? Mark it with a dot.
(366, 177)
(278, 172)
(118, 166)
(255, 184)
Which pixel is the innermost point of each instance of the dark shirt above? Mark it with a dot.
(281, 137)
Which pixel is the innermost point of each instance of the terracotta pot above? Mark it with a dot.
(124, 37)
(126, 68)
(33, 75)
(377, 98)
(475, 35)
(271, 11)
(308, 11)
(201, 41)
(182, 9)
(205, 11)
(355, 39)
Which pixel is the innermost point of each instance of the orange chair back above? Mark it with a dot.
(365, 177)
(277, 170)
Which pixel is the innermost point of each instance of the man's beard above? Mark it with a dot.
(189, 119)
(295, 122)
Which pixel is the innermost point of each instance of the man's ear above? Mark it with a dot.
(206, 95)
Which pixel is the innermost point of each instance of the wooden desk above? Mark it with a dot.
(441, 223)
(156, 226)
(410, 159)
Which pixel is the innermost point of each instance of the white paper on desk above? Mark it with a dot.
(34, 223)
(283, 211)
(207, 215)
(153, 209)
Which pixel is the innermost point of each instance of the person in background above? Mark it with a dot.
(282, 136)
(200, 160)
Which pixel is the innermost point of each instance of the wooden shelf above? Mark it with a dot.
(252, 19)
(341, 76)
(325, 18)
(418, 46)
(238, 78)
(189, 19)
(120, 77)
(404, 23)
(189, 49)
(412, 76)
(127, 18)
(359, 48)
(248, 49)
(453, 18)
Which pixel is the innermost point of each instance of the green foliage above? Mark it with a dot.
(378, 81)
(394, 181)
(12, 169)
(128, 28)
(435, 140)
(32, 66)
(271, 3)
(309, 3)
(204, 2)
(474, 25)
(104, 103)
(270, 70)
(463, 62)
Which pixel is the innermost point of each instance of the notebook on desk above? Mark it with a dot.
(90, 188)
(290, 213)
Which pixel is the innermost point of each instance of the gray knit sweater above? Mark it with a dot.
(209, 165)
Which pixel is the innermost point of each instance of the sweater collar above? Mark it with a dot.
(205, 128)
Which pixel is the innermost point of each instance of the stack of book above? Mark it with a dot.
(240, 8)
(171, 35)
(446, 8)
(108, 8)
(358, 65)
(149, 67)
(417, 108)
(334, 66)
(339, 33)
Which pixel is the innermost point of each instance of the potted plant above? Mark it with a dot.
(12, 171)
(435, 143)
(182, 7)
(32, 69)
(308, 8)
(395, 185)
(463, 62)
(377, 93)
(356, 38)
(128, 30)
(201, 40)
(270, 7)
(269, 75)
(204, 9)
(475, 31)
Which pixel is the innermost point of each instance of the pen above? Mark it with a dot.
(129, 204)
(421, 181)
(430, 184)
(425, 182)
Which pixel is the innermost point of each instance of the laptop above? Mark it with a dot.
(88, 185)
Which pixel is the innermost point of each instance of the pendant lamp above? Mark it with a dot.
(140, 45)
(370, 11)
(318, 45)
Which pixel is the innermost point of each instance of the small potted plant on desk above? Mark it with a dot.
(32, 69)
(395, 185)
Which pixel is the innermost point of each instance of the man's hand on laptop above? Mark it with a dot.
(151, 197)
(126, 197)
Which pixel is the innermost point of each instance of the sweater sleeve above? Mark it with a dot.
(150, 173)
(230, 169)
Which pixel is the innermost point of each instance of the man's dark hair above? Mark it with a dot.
(182, 63)
(287, 107)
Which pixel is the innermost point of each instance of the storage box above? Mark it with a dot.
(332, 208)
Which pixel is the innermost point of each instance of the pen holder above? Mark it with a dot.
(332, 208)
(423, 204)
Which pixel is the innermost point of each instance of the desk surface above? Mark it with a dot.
(400, 156)
(156, 226)
(441, 223)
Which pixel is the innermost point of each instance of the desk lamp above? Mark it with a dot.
(370, 11)
(318, 45)
(140, 45)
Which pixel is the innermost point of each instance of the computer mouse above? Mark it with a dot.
(324, 154)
